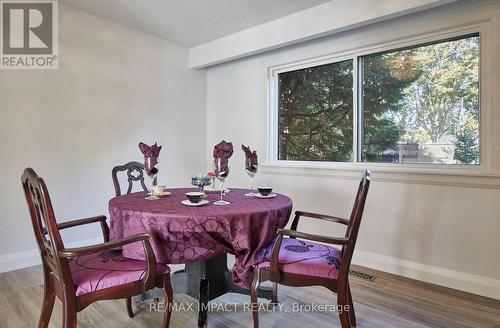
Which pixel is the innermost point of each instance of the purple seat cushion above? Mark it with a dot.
(306, 258)
(98, 271)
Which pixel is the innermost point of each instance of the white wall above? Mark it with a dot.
(440, 233)
(114, 87)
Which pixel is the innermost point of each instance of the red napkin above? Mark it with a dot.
(151, 154)
(223, 150)
(251, 157)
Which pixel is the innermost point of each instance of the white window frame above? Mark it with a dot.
(484, 168)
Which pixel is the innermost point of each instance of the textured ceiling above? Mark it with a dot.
(191, 22)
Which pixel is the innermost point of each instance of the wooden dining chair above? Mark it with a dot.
(81, 276)
(135, 173)
(304, 259)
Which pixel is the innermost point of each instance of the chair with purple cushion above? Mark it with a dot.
(135, 174)
(81, 276)
(304, 259)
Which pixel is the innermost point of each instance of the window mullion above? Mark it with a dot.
(359, 108)
(355, 114)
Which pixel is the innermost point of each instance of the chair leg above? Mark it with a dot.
(48, 304)
(352, 315)
(49, 296)
(129, 307)
(274, 299)
(168, 299)
(69, 314)
(341, 303)
(253, 297)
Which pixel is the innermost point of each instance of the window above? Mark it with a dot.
(315, 113)
(421, 105)
(415, 105)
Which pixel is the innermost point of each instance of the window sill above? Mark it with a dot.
(474, 177)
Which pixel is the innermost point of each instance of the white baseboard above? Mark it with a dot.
(466, 282)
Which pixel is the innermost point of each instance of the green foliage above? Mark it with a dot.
(385, 78)
(416, 96)
(438, 90)
(316, 113)
(446, 91)
(467, 143)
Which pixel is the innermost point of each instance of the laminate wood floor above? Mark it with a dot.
(389, 301)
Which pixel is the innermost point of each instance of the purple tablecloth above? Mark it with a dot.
(181, 234)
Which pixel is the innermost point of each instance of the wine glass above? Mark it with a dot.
(152, 172)
(152, 178)
(251, 169)
(221, 170)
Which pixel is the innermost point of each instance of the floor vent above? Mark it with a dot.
(362, 275)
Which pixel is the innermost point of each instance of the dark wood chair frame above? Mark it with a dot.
(131, 168)
(57, 276)
(135, 173)
(339, 285)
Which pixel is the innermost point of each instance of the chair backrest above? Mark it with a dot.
(135, 173)
(44, 224)
(355, 220)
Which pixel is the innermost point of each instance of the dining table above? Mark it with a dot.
(201, 237)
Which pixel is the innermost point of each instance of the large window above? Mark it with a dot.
(414, 105)
(315, 113)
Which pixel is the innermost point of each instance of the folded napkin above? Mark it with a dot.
(223, 150)
(151, 154)
(251, 158)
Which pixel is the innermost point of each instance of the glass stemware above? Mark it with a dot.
(221, 170)
(251, 169)
(152, 179)
(152, 172)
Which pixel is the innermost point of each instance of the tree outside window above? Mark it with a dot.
(416, 105)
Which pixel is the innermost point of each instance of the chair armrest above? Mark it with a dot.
(74, 223)
(318, 238)
(148, 281)
(101, 219)
(85, 250)
(325, 217)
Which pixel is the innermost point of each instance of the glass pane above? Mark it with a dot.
(421, 105)
(315, 113)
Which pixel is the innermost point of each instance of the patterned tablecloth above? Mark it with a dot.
(181, 234)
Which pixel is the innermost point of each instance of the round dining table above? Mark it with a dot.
(182, 234)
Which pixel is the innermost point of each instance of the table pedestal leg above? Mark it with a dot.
(212, 270)
(203, 303)
(204, 280)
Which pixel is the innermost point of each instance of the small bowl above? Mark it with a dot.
(195, 196)
(265, 191)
